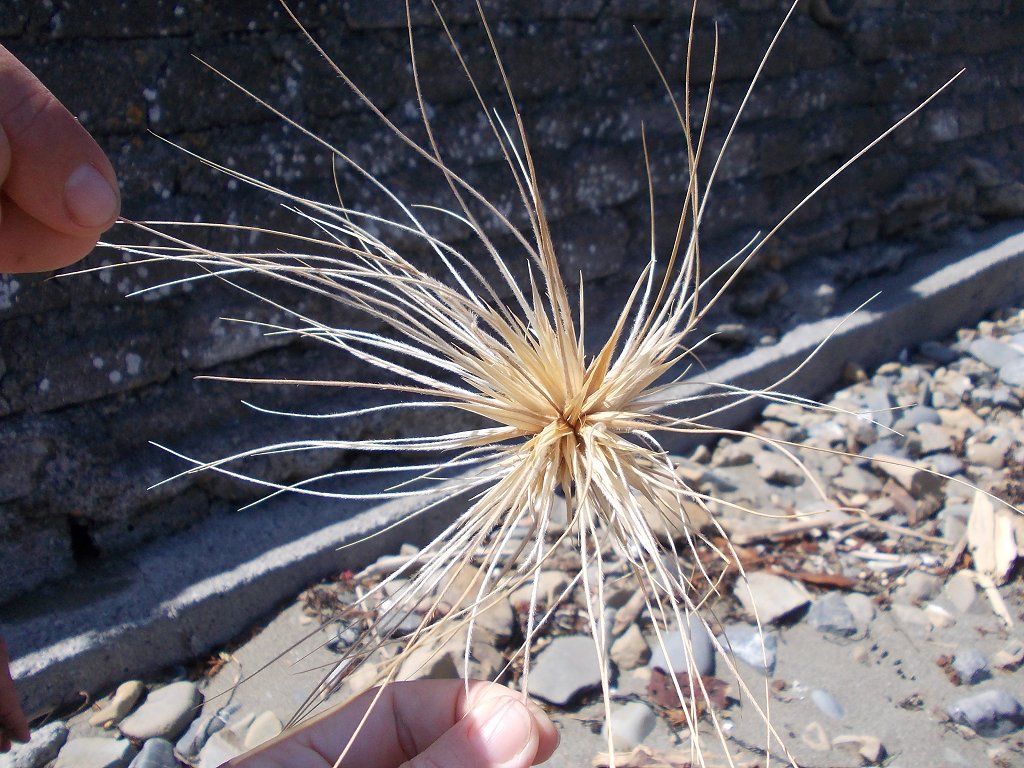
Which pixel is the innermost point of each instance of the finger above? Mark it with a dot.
(12, 720)
(499, 733)
(57, 174)
(28, 245)
(405, 720)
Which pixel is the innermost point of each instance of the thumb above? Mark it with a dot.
(499, 732)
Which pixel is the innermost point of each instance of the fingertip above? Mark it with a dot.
(90, 199)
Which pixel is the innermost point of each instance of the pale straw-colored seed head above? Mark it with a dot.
(561, 420)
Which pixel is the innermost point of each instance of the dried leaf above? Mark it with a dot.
(663, 693)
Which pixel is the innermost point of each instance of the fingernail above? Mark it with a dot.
(89, 198)
(506, 728)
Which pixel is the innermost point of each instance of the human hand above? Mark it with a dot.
(58, 191)
(421, 724)
(13, 725)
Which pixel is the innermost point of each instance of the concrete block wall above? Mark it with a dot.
(88, 377)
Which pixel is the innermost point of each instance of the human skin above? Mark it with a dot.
(421, 724)
(58, 191)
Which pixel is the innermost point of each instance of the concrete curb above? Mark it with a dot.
(178, 598)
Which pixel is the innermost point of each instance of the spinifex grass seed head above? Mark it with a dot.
(561, 421)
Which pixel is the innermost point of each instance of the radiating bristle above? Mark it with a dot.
(560, 419)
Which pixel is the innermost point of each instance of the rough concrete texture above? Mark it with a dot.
(87, 377)
(177, 597)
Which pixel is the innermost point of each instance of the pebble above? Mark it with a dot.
(120, 704)
(630, 724)
(265, 727)
(774, 597)
(993, 353)
(46, 742)
(869, 748)
(1013, 373)
(828, 704)
(830, 614)
(676, 655)
(814, 736)
(92, 752)
(550, 585)
(565, 669)
(202, 729)
(777, 469)
(939, 617)
(225, 744)
(754, 648)
(991, 713)
(631, 649)
(156, 753)
(918, 587)
(910, 616)
(1010, 657)
(970, 665)
(856, 480)
(862, 608)
(166, 713)
(961, 591)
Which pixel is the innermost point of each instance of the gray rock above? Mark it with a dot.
(773, 597)
(156, 753)
(916, 416)
(862, 608)
(630, 724)
(961, 591)
(945, 464)
(828, 704)
(190, 745)
(857, 480)
(990, 713)
(165, 714)
(953, 521)
(777, 469)
(1013, 373)
(993, 353)
(265, 727)
(831, 614)
(630, 650)
(910, 616)
(754, 648)
(918, 588)
(970, 665)
(938, 353)
(91, 752)
(120, 704)
(565, 669)
(933, 438)
(675, 654)
(44, 746)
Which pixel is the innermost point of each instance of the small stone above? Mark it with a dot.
(854, 479)
(933, 438)
(961, 591)
(987, 454)
(910, 616)
(190, 745)
(448, 660)
(944, 464)
(565, 669)
(777, 469)
(939, 617)
(828, 704)
(862, 608)
(970, 665)
(46, 742)
(991, 713)
(830, 614)
(995, 354)
(869, 748)
(859, 654)
(550, 585)
(120, 704)
(1009, 658)
(755, 648)
(89, 752)
(770, 597)
(156, 753)
(918, 588)
(1013, 373)
(631, 649)
(166, 713)
(919, 482)
(265, 727)
(938, 353)
(222, 746)
(630, 724)
(676, 655)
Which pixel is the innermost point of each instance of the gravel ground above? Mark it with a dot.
(896, 629)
